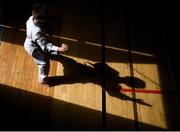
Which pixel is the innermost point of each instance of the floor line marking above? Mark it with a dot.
(145, 91)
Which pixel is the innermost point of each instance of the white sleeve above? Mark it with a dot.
(44, 44)
(51, 47)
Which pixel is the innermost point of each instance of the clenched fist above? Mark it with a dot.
(63, 48)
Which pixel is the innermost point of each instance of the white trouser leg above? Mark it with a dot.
(43, 71)
(43, 65)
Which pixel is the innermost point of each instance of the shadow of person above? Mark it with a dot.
(75, 72)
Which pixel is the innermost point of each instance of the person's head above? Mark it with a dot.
(39, 13)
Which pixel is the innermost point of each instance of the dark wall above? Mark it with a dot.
(170, 36)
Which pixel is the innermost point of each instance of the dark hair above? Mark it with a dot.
(39, 11)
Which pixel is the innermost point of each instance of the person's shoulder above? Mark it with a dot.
(30, 19)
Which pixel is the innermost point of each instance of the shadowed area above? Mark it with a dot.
(75, 72)
(23, 110)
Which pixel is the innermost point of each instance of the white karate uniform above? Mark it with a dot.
(37, 34)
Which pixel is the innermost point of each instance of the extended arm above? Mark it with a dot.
(45, 45)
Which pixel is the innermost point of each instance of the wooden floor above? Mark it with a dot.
(139, 93)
